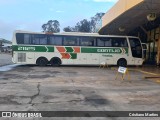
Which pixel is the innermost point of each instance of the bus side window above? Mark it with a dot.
(71, 41)
(39, 39)
(119, 42)
(123, 42)
(55, 40)
(27, 39)
(108, 43)
(100, 42)
(87, 41)
(43, 40)
(104, 42)
(115, 42)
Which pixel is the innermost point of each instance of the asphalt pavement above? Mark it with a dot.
(5, 59)
(76, 88)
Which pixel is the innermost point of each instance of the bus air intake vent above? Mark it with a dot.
(21, 57)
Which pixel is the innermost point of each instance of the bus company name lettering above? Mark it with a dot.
(26, 48)
(109, 50)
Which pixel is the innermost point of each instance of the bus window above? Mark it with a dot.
(100, 42)
(70, 41)
(23, 38)
(40, 40)
(104, 42)
(55, 40)
(136, 47)
(27, 39)
(119, 42)
(87, 41)
(108, 43)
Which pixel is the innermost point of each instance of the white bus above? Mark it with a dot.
(75, 49)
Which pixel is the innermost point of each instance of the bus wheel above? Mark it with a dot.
(42, 61)
(55, 61)
(122, 62)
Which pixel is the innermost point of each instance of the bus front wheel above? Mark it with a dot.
(42, 61)
(55, 61)
(122, 62)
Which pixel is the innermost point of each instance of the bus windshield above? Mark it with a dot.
(136, 47)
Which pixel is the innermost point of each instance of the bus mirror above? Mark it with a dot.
(144, 46)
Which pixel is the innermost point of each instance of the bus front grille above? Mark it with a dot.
(21, 57)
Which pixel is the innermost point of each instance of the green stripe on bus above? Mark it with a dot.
(69, 49)
(73, 55)
(33, 48)
(105, 50)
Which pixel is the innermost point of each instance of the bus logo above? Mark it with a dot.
(26, 48)
(6, 114)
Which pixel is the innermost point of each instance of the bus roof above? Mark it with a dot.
(73, 34)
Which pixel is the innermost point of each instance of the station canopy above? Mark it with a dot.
(125, 16)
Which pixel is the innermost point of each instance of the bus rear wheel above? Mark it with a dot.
(122, 62)
(55, 61)
(42, 61)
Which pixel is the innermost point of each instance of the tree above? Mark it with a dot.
(83, 26)
(68, 29)
(51, 26)
(95, 20)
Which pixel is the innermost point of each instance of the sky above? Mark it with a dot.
(30, 15)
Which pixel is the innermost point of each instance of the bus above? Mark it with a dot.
(75, 49)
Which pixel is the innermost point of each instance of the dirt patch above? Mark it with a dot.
(70, 91)
(96, 100)
(3, 83)
(71, 72)
(11, 76)
(144, 99)
(39, 76)
(8, 100)
(49, 97)
(20, 69)
(52, 72)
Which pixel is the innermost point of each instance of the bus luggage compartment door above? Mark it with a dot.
(30, 58)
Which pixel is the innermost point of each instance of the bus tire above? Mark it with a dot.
(122, 62)
(42, 61)
(56, 61)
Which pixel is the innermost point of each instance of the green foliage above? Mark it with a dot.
(5, 41)
(85, 25)
(51, 26)
(68, 29)
(95, 20)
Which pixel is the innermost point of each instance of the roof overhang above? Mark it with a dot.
(132, 18)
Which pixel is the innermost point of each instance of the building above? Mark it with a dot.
(137, 18)
(5, 45)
